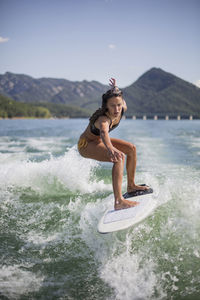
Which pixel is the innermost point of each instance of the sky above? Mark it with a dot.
(98, 39)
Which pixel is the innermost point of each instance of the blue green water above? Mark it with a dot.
(51, 200)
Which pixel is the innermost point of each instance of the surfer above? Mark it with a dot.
(95, 143)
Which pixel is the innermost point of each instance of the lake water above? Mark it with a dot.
(51, 200)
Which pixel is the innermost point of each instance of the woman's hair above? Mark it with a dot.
(114, 92)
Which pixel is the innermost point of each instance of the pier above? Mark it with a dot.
(164, 116)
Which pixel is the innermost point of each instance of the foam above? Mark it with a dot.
(135, 263)
(28, 147)
(70, 170)
(40, 237)
(45, 144)
(136, 275)
(14, 281)
(131, 276)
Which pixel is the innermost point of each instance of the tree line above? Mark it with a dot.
(13, 109)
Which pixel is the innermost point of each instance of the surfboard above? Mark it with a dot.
(114, 220)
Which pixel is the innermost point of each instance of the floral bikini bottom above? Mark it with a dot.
(82, 143)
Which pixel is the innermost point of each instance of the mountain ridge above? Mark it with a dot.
(155, 91)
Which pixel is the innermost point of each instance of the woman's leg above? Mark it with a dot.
(99, 152)
(130, 150)
(117, 177)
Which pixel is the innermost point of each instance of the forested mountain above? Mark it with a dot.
(12, 109)
(24, 88)
(155, 92)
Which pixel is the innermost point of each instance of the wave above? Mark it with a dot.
(70, 171)
(49, 210)
(16, 281)
(146, 261)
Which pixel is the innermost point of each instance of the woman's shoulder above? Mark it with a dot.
(104, 118)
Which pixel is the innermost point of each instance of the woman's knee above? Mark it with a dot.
(131, 149)
(121, 161)
(123, 157)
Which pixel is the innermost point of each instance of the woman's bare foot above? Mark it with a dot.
(136, 188)
(123, 203)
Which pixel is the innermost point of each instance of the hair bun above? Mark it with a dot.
(115, 89)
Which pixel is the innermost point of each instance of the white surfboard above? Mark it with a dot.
(114, 220)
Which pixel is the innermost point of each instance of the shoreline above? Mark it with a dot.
(134, 118)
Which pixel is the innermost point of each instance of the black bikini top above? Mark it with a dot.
(96, 130)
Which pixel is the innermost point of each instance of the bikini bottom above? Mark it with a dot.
(82, 143)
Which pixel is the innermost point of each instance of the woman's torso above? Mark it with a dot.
(92, 132)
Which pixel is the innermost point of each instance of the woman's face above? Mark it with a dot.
(114, 106)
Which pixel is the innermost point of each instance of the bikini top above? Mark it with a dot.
(96, 130)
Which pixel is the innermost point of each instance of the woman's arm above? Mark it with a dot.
(115, 154)
(112, 82)
(104, 132)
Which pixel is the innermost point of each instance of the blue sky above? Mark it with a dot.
(97, 39)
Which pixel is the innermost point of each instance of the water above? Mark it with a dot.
(51, 200)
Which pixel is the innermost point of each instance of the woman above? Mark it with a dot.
(95, 143)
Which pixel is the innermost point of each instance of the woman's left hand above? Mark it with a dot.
(115, 155)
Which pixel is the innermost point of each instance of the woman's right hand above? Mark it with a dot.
(115, 155)
(112, 82)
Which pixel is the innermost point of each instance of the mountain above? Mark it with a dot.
(155, 92)
(24, 88)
